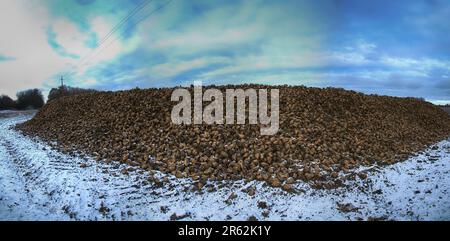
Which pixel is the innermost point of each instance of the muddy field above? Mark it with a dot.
(40, 183)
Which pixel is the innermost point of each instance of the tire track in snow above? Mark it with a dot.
(61, 188)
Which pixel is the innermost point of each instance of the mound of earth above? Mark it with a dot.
(323, 133)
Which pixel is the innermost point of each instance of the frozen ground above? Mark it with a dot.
(38, 183)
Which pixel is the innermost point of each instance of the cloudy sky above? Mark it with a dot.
(399, 48)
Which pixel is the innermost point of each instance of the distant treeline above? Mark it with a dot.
(33, 98)
(56, 93)
(27, 99)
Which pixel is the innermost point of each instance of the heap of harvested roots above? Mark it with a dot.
(323, 132)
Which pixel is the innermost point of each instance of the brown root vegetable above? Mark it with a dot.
(322, 132)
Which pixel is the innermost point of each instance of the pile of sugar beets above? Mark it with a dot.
(323, 134)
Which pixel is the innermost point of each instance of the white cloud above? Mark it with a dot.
(425, 64)
(356, 54)
(233, 39)
(207, 39)
(70, 37)
(23, 38)
(363, 54)
(174, 68)
(24, 25)
(108, 50)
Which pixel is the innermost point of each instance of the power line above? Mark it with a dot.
(152, 12)
(125, 19)
(110, 33)
(126, 30)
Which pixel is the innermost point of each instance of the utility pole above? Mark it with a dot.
(62, 82)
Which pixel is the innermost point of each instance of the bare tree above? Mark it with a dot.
(6, 103)
(30, 99)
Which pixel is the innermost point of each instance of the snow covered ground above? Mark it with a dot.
(38, 183)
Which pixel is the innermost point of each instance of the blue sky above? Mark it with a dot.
(399, 48)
